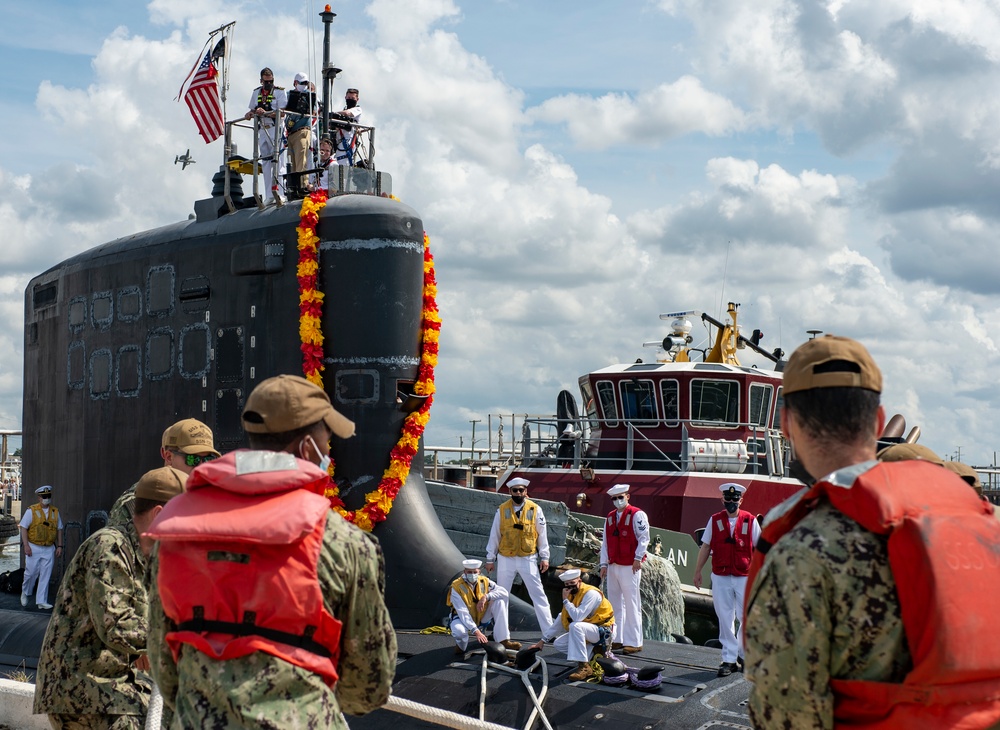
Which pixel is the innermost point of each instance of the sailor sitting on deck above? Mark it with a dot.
(475, 601)
(586, 620)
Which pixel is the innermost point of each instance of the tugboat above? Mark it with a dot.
(674, 429)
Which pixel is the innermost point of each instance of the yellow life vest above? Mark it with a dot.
(43, 530)
(471, 595)
(602, 616)
(518, 536)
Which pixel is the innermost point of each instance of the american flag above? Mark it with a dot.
(202, 98)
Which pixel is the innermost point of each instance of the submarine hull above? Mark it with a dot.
(183, 321)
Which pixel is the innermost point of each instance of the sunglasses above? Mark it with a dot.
(517, 490)
(731, 499)
(195, 460)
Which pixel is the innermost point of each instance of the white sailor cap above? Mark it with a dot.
(472, 564)
(569, 575)
(618, 489)
(732, 489)
(301, 78)
(44, 490)
(517, 482)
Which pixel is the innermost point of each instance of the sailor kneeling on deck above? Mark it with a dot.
(586, 621)
(475, 601)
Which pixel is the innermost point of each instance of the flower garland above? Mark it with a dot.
(379, 502)
(310, 298)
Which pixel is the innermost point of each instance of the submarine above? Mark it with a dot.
(183, 321)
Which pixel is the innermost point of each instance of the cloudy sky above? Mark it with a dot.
(580, 167)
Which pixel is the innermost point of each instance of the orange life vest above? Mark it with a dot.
(731, 553)
(238, 561)
(944, 550)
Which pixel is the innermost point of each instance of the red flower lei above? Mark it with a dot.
(378, 503)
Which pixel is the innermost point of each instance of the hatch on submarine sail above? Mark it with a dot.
(184, 320)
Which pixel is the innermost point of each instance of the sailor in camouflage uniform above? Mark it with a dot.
(184, 445)
(96, 639)
(824, 604)
(259, 689)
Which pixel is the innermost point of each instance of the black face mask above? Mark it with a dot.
(517, 498)
(350, 103)
(268, 85)
(574, 590)
(732, 507)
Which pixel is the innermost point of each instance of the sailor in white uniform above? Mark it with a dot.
(519, 544)
(475, 601)
(265, 101)
(623, 550)
(730, 537)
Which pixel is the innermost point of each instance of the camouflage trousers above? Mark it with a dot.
(97, 722)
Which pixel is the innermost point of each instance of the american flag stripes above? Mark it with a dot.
(202, 98)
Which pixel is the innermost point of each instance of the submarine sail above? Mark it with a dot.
(184, 320)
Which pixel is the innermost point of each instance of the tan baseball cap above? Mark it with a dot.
(189, 436)
(967, 473)
(290, 402)
(799, 373)
(161, 484)
(909, 452)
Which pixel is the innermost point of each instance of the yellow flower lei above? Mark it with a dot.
(379, 502)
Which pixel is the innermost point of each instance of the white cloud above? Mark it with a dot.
(545, 272)
(668, 111)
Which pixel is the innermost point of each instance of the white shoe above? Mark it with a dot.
(45, 606)
(24, 599)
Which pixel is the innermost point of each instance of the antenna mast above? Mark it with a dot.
(329, 70)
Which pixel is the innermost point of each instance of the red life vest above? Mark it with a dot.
(620, 534)
(944, 551)
(238, 556)
(731, 553)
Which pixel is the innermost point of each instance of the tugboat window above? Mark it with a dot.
(606, 395)
(588, 403)
(671, 408)
(778, 405)
(638, 402)
(715, 401)
(357, 386)
(760, 404)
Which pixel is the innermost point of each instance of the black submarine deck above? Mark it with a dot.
(428, 671)
(690, 696)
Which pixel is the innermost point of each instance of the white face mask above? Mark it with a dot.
(324, 461)
(46, 500)
(470, 578)
(619, 502)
